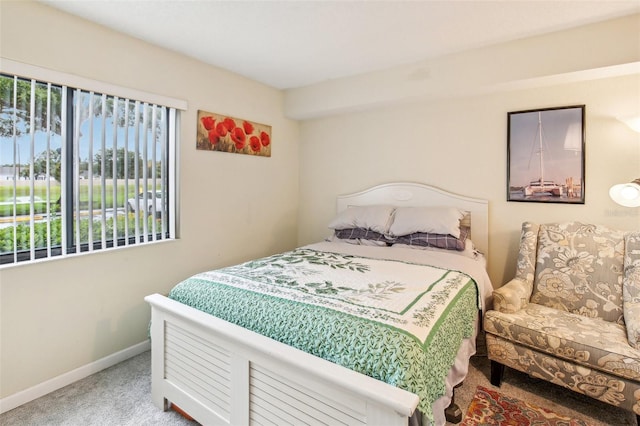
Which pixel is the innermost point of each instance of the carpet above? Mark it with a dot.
(489, 407)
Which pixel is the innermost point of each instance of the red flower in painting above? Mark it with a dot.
(248, 127)
(265, 139)
(221, 130)
(208, 122)
(239, 138)
(254, 142)
(213, 137)
(229, 124)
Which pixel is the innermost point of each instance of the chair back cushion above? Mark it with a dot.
(579, 269)
(631, 288)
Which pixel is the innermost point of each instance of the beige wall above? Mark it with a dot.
(452, 132)
(460, 145)
(603, 49)
(58, 315)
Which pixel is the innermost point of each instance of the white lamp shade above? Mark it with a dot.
(626, 194)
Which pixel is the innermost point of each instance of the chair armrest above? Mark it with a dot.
(512, 296)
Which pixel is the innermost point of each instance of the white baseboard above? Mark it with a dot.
(17, 399)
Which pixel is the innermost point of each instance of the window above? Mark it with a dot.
(81, 171)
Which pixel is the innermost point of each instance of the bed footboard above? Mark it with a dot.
(222, 374)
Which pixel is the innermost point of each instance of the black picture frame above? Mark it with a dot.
(546, 155)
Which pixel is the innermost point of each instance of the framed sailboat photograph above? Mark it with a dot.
(545, 155)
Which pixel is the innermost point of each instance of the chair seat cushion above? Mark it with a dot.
(591, 342)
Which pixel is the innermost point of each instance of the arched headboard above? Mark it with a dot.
(417, 194)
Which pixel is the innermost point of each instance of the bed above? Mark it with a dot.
(305, 357)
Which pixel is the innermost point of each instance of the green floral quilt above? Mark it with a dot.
(399, 322)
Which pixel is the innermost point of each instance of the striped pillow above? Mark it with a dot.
(360, 234)
(443, 241)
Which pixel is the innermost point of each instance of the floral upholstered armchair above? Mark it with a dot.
(571, 315)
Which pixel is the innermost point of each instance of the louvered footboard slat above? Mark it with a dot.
(306, 403)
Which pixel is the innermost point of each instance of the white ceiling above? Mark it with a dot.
(288, 44)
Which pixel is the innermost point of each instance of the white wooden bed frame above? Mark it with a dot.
(222, 374)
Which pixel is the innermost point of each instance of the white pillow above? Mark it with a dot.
(436, 220)
(376, 218)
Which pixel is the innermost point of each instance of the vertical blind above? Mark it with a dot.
(81, 171)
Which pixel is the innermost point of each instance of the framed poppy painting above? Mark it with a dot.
(218, 132)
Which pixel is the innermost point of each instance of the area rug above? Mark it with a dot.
(490, 407)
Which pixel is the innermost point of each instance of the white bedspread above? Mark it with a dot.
(450, 259)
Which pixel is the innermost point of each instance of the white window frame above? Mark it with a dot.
(31, 72)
